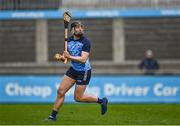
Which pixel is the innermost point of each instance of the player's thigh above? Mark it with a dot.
(79, 90)
(66, 84)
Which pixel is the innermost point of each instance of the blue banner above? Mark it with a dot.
(118, 89)
(98, 13)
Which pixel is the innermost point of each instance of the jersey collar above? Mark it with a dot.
(80, 39)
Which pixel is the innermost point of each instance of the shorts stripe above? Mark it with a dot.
(85, 75)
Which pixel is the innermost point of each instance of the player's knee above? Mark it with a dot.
(60, 93)
(78, 98)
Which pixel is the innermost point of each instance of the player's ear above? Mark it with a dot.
(83, 27)
(72, 30)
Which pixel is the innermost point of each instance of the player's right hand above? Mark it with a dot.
(59, 57)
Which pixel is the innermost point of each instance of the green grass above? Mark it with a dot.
(128, 114)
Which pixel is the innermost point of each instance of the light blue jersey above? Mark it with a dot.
(75, 48)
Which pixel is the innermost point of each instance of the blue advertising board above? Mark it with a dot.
(118, 89)
(97, 13)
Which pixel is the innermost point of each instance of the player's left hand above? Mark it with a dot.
(66, 54)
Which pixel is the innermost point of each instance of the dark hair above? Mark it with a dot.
(76, 23)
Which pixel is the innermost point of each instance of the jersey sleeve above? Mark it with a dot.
(87, 46)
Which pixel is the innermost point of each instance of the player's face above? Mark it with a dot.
(78, 30)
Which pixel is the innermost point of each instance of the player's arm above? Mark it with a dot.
(84, 54)
(82, 59)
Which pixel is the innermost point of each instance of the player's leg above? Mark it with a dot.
(80, 96)
(65, 85)
(83, 79)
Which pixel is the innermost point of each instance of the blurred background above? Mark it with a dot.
(121, 31)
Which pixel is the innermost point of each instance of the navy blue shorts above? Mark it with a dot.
(81, 77)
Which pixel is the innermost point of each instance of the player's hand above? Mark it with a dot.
(66, 54)
(59, 57)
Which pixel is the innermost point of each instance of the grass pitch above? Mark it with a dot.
(89, 114)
